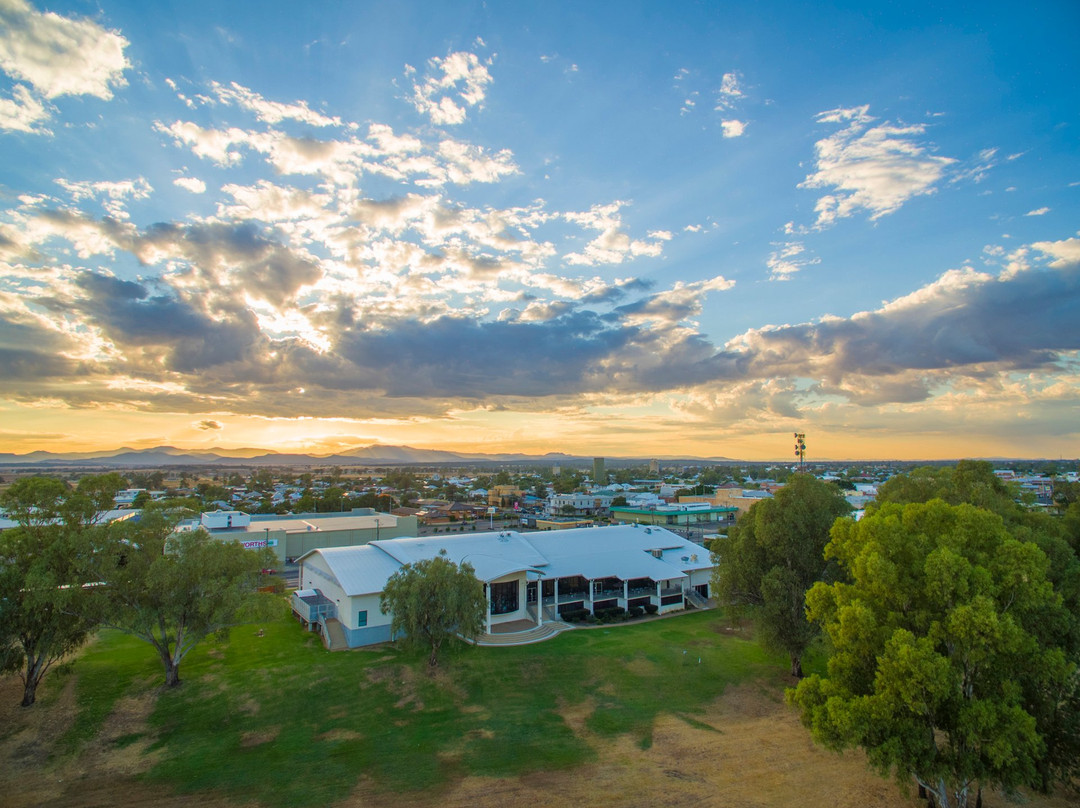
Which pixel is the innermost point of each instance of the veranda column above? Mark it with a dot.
(539, 598)
(487, 597)
(626, 593)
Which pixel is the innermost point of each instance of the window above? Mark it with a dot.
(361, 619)
(504, 597)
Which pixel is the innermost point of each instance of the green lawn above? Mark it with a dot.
(278, 719)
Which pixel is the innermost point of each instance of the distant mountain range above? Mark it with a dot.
(375, 455)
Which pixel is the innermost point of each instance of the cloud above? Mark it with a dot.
(784, 262)
(676, 305)
(963, 323)
(209, 425)
(271, 112)
(729, 93)
(113, 195)
(453, 84)
(23, 112)
(1038, 212)
(60, 55)
(612, 246)
(1065, 253)
(213, 144)
(872, 168)
(976, 168)
(733, 128)
(192, 184)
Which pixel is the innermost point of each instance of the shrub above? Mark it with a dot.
(651, 608)
(610, 614)
(574, 615)
(635, 612)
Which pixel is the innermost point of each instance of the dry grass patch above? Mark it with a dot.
(746, 750)
(259, 737)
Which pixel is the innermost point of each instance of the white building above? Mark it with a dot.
(581, 503)
(529, 577)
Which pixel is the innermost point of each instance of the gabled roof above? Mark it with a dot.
(621, 551)
(359, 570)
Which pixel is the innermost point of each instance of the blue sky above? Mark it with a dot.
(608, 228)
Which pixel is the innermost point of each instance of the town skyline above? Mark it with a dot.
(606, 230)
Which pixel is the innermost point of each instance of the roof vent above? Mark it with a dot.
(693, 557)
(648, 530)
(686, 558)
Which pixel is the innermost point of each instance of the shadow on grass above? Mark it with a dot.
(271, 716)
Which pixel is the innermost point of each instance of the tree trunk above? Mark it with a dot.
(29, 692)
(35, 670)
(796, 667)
(172, 670)
(433, 659)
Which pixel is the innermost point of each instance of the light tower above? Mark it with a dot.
(800, 447)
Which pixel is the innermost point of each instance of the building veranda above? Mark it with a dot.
(529, 579)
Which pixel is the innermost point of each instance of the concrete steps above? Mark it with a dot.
(537, 634)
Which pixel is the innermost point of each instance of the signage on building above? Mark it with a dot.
(259, 543)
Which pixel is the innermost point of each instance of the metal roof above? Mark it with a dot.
(620, 551)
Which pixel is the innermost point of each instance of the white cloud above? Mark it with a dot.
(213, 144)
(23, 112)
(1064, 252)
(271, 111)
(60, 55)
(729, 92)
(872, 168)
(787, 260)
(462, 83)
(192, 184)
(113, 195)
(612, 246)
(1038, 212)
(733, 128)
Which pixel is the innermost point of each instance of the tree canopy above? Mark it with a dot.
(773, 555)
(431, 600)
(940, 634)
(173, 590)
(47, 606)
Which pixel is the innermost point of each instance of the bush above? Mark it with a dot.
(574, 615)
(611, 614)
(651, 608)
(635, 612)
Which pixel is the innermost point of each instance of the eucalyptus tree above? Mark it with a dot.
(173, 589)
(773, 555)
(49, 602)
(940, 632)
